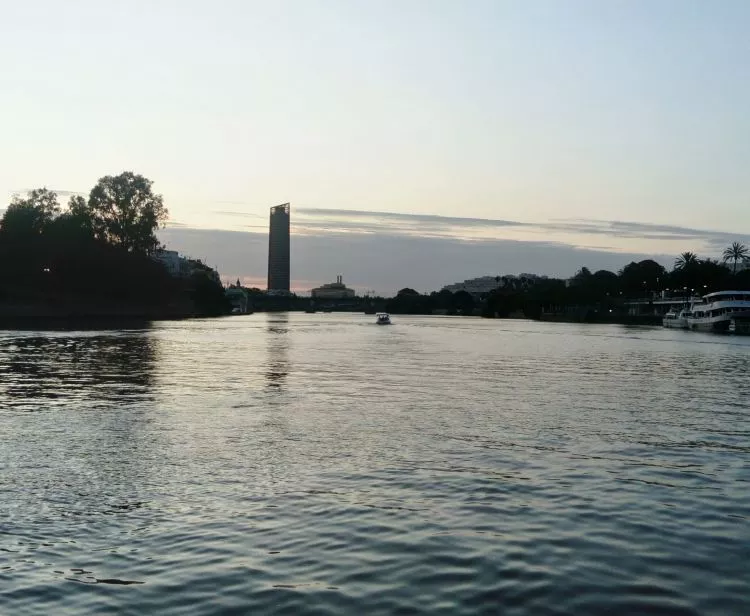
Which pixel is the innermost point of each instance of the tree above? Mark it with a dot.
(606, 283)
(685, 261)
(638, 279)
(32, 214)
(582, 276)
(711, 275)
(463, 302)
(77, 206)
(408, 291)
(124, 211)
(736, 252)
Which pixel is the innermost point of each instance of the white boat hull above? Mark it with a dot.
(383, 318)
(675, 323)
(710, 324)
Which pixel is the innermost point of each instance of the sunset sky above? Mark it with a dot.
(455, 138)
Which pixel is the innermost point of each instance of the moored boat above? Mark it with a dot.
(716, 311)
(676, 319)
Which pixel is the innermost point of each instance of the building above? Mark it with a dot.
(183, 267)
(333, 290)
(476, 286)
(486, 284)
(278, 250)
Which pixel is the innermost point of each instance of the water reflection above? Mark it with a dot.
(277, 349)
(489, 464)
(101, 367)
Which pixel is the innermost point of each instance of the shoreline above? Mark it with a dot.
(20, 317)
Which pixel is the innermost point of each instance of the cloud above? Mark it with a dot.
(630, 230)
(237, 214)
(316, 220)
(409, 218)
(59, 193)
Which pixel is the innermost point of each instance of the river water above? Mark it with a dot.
(320, 464)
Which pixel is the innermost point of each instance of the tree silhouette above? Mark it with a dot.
(30, 215)
(637, 279)
(736, 252)
(408, 291)
(125, 212)
(685, 260)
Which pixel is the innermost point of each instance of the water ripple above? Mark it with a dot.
(310, 464)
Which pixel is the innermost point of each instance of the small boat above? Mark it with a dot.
(675, 319)
(382, 318)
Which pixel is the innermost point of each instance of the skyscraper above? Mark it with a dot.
(278, 249)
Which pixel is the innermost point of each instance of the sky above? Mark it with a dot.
(474, 138)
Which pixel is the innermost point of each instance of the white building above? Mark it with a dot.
(476, 286)
(333, 290)
(182, 267)
(487, 284)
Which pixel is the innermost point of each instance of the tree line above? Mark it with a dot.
(588, 293)
(96, 252)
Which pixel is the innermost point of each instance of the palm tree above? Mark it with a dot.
(685, 260)
(736, 252)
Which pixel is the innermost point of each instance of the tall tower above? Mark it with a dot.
(278, 249)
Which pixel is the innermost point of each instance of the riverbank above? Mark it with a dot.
(87, 313)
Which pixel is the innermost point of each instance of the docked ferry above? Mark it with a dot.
(716, 311)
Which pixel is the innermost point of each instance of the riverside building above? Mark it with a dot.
(333, 290)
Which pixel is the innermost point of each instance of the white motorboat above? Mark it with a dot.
(677, 319)
(716, 311)
(383, 318)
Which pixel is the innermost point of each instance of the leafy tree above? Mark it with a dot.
(124, 211)
(741, 280)
(685, 260)
(582, 277)
(710, 276)
(638, 279)
(463, 302)
(208, 294)
(607, 283)
(407, 291)
(442, 300)
(736, 252)
(30, 215)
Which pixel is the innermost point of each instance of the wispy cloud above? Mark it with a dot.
(622, 229)
(59, 192)
(320, 220)
(237, 214)
(408, 218)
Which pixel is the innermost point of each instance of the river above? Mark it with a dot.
(320, 464)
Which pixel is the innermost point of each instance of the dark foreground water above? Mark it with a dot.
(320, 464)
